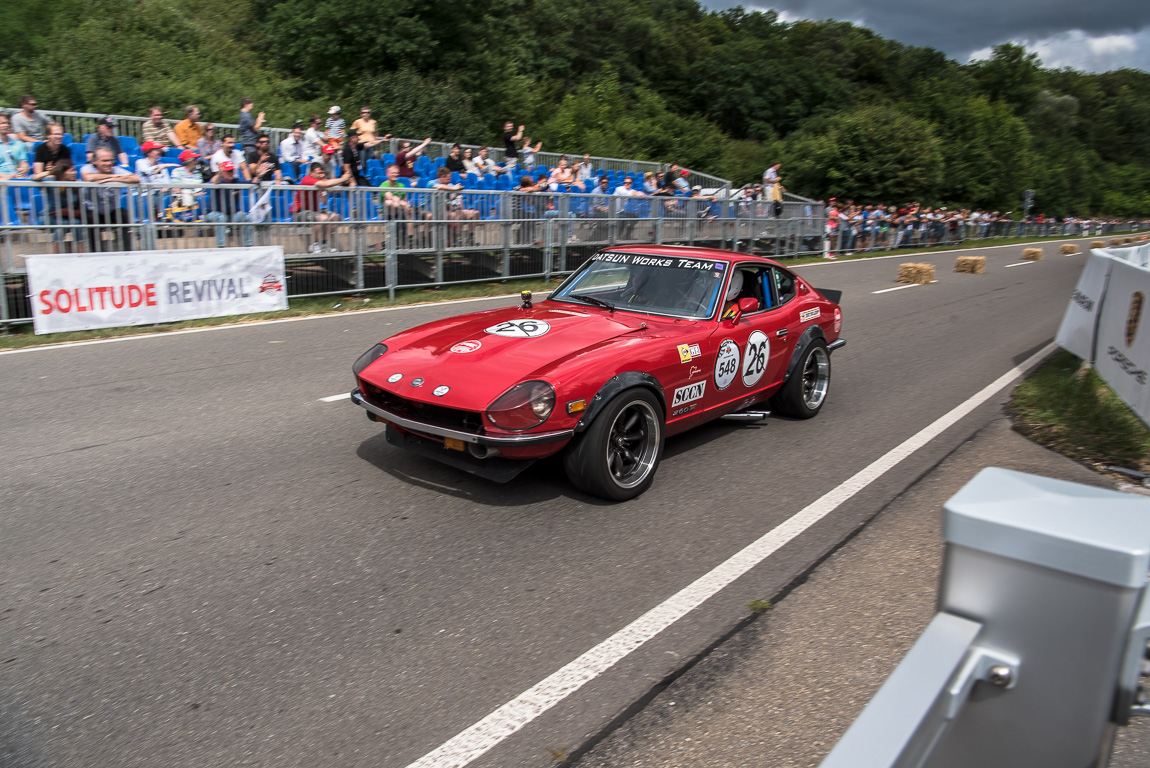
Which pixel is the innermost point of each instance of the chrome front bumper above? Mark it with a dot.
(534, 438)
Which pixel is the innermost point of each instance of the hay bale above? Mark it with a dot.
(915, 273)
(971, 265)
(1098, 244)
(1127, 240)
(1032, 254)
(1115, 241)
(1068, 248)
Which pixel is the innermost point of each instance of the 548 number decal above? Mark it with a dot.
(726, 363)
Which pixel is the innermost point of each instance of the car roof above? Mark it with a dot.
(689, 251)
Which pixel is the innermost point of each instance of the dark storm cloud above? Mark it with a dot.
(960, 27)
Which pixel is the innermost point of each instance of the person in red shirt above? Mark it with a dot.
(308, 206)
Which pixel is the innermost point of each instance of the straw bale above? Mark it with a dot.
(1127, 240)
(915, 273)
(1032, 254)
(1098, 244)
(1068, 248)
(973, 265)
(1115, 241)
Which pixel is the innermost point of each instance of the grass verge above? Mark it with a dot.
(1079, 416)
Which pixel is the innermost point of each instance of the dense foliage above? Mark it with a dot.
(847, 112)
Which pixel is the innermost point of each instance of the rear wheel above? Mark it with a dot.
(804, 393)
(617, 456)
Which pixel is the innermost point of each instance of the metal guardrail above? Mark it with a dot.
(434, 238)
(844, 239)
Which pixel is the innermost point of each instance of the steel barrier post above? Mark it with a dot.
(1038, 645)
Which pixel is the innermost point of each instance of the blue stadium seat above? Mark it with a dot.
(374, 165)
(129, 144)
(67, 140)
(79, 155)
(439, 161)
(172, 154)
(388, 159)
(456, 178)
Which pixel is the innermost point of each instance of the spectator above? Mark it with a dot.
(262, 164)
(105, 137)
(333, 128)
(159, 130)
(249, 126)
(208, 144)
(13, 153)
(228, 205)
(407, 155)
(293, 150)
(484, 164)
(149, 168)
(351, 160)
(104, 204)
(601, 208)
(63, 204)
(328, 156)
(678, 178)
(394, 199)
(307, 206)
(313, 140)
(650, 186)
(527, 184)
(469, 165)
(454, 161)
(561, 174)
(584, 171)
(228, 152)
(454, 204)
(368, 136)
(48, 154)
(770, 180)
(189, 172)
(627, 189)
(510, 153)
(189, 131)
(527, 154)
(28, 124)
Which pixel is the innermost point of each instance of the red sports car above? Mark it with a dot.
(640, 343)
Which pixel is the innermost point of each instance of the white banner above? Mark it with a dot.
(1076, 333)
(75, 292)
(1123, 345)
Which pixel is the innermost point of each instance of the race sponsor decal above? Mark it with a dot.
(685, 409)
(75, 292)
(1134, 316)
(756, 357)
(838, 320)
(726, 363)
(689, 393)
(441, 390)
(645, 260)
(695, 371)
(463, 347)
(809, 314)
(417, 382)
(394, 378)
(688, 352)
(520, 329)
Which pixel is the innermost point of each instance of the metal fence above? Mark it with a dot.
(361, 239)
(854, 237)
(79, 124)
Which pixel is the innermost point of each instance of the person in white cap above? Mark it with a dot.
(334, 127)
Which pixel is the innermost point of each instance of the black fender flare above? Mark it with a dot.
(615, 385)
(812, 333)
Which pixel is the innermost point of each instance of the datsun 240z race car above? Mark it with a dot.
(639, 344)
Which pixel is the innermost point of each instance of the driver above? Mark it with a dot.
(731, 299)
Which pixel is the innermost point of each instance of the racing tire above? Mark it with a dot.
(616, 458)
(804, 393)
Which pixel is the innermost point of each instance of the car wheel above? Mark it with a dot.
(804, 393)
(617, 456)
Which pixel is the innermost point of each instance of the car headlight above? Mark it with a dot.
(368, 357)
(523, 406)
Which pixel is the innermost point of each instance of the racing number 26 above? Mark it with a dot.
(758, 350)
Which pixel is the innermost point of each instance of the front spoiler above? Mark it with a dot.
(498, 441)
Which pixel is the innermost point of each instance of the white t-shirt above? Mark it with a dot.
(220, 156)
(313, 142)
(151, 173)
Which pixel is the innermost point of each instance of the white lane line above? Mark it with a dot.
(1019, 264)
(333, 398)
(899, 288)
(168, 334)
(517, 713)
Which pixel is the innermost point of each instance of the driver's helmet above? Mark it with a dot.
(736, 286)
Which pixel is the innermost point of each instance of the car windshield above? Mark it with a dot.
(645, 283)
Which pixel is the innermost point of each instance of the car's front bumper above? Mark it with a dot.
(493, 441)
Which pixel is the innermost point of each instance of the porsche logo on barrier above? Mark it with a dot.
(1134, 316)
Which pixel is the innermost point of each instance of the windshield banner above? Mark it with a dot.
(77, 292)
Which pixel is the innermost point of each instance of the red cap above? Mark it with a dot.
(148, 146)
(187, 155)
(329, 149)
(227, 165)
(684, 173)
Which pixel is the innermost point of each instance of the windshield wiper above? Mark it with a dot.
(593, 300)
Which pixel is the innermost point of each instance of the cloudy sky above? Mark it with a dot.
(1090, 35)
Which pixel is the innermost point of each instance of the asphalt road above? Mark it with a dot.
(205, 564)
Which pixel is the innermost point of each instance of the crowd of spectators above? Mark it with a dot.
(327, 154)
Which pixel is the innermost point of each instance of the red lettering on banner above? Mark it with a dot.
(135, 296)
(60, 305)
(150, 294)
(64, 301)
(46, 298)
(117, 304)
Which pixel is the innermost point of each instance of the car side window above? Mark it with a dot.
(784, 285)
(757, 286)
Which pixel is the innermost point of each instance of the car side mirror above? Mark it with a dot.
(744, 305)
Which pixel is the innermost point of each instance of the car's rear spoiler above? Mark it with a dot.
(830, 294)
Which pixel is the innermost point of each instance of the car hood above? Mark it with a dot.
(481, 355)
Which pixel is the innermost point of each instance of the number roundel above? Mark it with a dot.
(519, 329)
(755, 360)
(726, 363)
